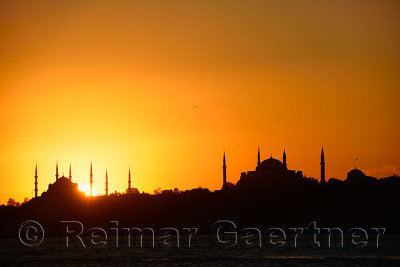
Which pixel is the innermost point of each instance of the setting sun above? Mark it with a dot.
(86, 188)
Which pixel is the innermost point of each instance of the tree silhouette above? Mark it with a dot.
(12, 203)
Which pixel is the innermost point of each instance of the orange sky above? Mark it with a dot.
(117, 82)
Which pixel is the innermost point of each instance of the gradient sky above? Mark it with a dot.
(166, 86)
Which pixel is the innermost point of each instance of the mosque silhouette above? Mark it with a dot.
(270, 195)
(268, 172)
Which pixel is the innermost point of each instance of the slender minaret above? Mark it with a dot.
(129, 180)
(284, 158)
(258, 157)
(57, 171)
(322, 166)
(224, 172)
(36, 183)
(106, 183)
(91, 179)
(70, 173)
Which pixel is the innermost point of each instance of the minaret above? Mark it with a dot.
(70, 173)
(258, 157)
(36, 183)
(322, 166)
(224, 172)
(106, 183)
(129, 180)
(57, 171)
(91, 179)
(284, 158)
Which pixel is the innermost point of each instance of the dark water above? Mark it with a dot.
(53, 252)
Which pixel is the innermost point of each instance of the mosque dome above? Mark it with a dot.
(62, 188)
(272, 163)
(355, 174)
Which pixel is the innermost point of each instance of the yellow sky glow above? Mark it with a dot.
(165, 87)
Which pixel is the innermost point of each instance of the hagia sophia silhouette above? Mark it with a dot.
(270, 168)
(272, 194)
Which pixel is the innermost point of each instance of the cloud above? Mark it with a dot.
(383, 171)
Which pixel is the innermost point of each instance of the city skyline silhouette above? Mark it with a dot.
(272, 187)
(268, 161)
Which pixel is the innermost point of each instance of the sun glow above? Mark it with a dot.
(86, 188)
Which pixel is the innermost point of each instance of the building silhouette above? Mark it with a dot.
(268, 172)
(69, 186)
(284, 159)
(70, 173)
(322, 166)
(56, 170)
(36, 182)
(223, 172)
(91, 180)
(357, 176)
(270, 194)
(62, 189)
(106, 189)
(272, 168)
(129, 180)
